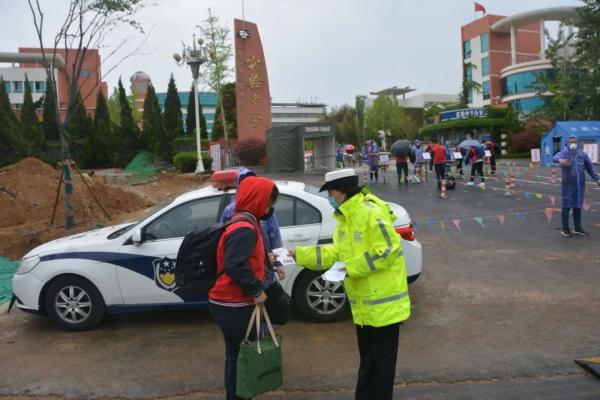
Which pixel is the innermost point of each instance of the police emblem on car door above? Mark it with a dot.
(164, 273)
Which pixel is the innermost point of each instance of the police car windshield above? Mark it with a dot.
(312, 189)
(145, 215)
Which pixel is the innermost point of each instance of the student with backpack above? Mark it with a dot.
(475, 156)
(241, 260)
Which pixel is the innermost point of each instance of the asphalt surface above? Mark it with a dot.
(503, 307)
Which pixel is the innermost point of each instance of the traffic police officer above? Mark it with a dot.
(375, 283)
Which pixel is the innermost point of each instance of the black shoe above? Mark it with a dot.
(580, 232)
(566, 233)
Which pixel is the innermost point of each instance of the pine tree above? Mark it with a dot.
(9, 130)
(128, 132)
(81, 136)
(172, 119)
(31, 134)
(105, 145)
(190, 121)
(50, 119)
(587, 55)
(154, 133)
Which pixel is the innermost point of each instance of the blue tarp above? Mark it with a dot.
(7, 270)
(556, 137)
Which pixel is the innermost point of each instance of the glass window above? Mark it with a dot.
(306, 214)
(523, 82)
(486, 90)
(40, 86)
(182, 219)
(470, 96)
(529, 104)
(467, 48)
(85, 73)
(284, 210)
(485, 66)
(18, 86)
(469, 72)
(485, 43)
(8, 86)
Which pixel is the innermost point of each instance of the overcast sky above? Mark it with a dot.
(324, 50)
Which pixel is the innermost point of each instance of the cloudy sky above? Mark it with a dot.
(320, 50)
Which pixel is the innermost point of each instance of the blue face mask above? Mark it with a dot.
(334, 203)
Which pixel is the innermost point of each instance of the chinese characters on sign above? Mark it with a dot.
(462, 114)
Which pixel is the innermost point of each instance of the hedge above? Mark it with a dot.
(514, 155)
(186, 161)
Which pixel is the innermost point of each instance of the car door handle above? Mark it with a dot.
(299, 238)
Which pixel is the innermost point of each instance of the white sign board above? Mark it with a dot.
(384, 158)
(591, 149)
(426, 156)
(457, 155)
(535, 155)
(488, 154)
(215, 154)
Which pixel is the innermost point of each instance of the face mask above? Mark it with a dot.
(269, 214)
(573, 146)
(334, 203)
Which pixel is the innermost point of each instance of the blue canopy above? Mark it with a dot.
(556, 137)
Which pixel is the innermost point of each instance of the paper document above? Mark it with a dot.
(336, 273)
(283, 256)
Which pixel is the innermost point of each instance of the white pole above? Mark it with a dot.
(513, 45)
(199, 165)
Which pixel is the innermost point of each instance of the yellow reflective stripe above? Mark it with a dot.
(319, 258)
(385, 299)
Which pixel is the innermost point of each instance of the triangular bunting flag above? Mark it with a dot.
(521, 217)
(432, 222)
(443, 226)
(456, 223)
(586, 206)
(501, 218)
(526, 194)
(587, 189)
(549, 212)
(480, 221)
(539, 196)
(552, 200)
(415, 226)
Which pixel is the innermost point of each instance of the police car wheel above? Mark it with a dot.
(74, 303)
(320, 300)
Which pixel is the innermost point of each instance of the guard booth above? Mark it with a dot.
(286, 148)
(555, 139)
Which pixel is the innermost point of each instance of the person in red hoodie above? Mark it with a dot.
(241, 267)
(438, 161)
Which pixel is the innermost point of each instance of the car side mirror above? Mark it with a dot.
(136, 237)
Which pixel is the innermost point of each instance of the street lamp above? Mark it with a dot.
(194, 57)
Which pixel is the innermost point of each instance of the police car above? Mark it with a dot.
(77, 280)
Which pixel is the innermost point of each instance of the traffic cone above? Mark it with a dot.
(507, 191)
(443, 194)
(365, 175)
(512, 180)
(553, 179)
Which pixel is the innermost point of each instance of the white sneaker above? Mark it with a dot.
(482, 186)
(471, 184)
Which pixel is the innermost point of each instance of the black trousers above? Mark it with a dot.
(378, 348)
(233, 322)
(477, 168)
(402, 167)
(440, 171)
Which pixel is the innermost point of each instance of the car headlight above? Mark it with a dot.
(27, 264)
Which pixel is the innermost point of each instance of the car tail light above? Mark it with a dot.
(406, 232)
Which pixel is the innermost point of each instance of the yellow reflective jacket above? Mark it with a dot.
(365, 240)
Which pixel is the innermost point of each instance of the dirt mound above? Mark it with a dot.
(29, 189)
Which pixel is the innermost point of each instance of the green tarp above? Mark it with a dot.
(7, 270)
(143, 168)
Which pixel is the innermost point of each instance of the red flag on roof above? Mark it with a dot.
(479, 7)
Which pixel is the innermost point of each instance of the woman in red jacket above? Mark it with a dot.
(241, 264)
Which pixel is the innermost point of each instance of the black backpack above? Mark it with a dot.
(196, 265)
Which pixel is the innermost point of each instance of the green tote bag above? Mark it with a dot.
(259, 364)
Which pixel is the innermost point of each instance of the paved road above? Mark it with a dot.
(500, 312)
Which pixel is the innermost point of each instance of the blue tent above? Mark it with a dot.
(556, 138)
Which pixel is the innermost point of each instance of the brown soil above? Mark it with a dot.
(28, 191)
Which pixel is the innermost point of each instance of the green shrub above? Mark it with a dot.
(185, 161)
(250, 152)
(207, 162)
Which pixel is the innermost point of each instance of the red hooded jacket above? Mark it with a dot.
(241, 251)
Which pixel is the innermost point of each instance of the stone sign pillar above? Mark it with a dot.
(252, 83)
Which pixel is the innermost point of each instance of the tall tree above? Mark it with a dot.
(82, 136)
(190, 119)
(346, 129)
(31, 134)
(49, 117)
(9, 129)
(230, 107)
(220, 51)
(385, 115)
(172, 116)
(360, 117)
(86, 25)
(588, 53)
(105, 145)
(128, 132)
(154, 135)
